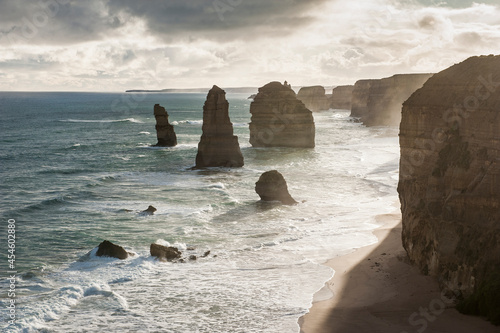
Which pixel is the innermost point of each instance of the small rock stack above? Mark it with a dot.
(164, 131)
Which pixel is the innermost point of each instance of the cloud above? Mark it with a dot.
(61, 22)
(221, 20)
(118, 45)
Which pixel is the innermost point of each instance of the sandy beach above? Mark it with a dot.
(375, 289)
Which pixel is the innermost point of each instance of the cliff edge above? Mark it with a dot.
(449, 184)
(379, 102)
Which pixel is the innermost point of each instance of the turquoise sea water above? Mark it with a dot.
(77, 168)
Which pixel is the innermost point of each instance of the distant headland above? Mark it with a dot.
(243, 90)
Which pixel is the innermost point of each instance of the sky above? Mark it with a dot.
(115, 45)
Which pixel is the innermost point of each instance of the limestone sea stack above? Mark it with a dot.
(164, 131)
(218, 146)
(449, 184)
(341, 97)
(314, 98)
(379, 102)
(272, 186)
(279, 119)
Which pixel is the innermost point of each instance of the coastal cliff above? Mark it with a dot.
(379, 102)
(218, 146)
(279, 119)
(314, 98)
(449, 184)
(341, 97)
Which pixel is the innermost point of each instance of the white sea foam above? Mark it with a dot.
(187, 122)
(132, 120)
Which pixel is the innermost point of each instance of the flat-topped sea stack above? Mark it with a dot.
(218, 146)
(164, 131)
(449, 184)
(314, 98)
(279, 119)
(379, 102)
(341, 97)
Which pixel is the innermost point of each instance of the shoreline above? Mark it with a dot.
(375, 289)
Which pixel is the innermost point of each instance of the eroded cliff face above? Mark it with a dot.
(379, 102)
(449, 184)
(218, 146)
(341, 97)
(279, 119)
(314, 98)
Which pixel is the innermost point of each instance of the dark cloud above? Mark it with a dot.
(55, 22)
(218, 19)
(59, 22)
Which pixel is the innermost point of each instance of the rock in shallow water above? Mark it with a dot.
(168, 253)
(272, 186)
(108, 249)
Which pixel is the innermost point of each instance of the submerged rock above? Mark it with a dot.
(314, 98)
(279, 119)
(379, 102)
(449, 183)
(164, 131)
(168, 253)
(272, 186)
(218, 146)
(149, 211)
(108, 249)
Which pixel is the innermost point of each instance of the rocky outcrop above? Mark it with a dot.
(218, 146)
(165, 253)
(379, 102)
(271, 186)
(279, 119)
(314, 98)
(108, 249)
(341, 97)
(449, 184)
(164, 131)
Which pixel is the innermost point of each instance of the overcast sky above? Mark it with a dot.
(114, 45)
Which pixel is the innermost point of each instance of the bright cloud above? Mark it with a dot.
(108, 45)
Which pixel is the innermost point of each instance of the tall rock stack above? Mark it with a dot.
(449, 184)
(314, 98)
(279, 119)
(379, 102)
(218, 146)
(164, 131)
(341, 97)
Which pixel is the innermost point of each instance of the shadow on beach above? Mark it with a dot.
(376, 290)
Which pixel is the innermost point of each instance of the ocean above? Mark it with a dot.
(77, 169)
